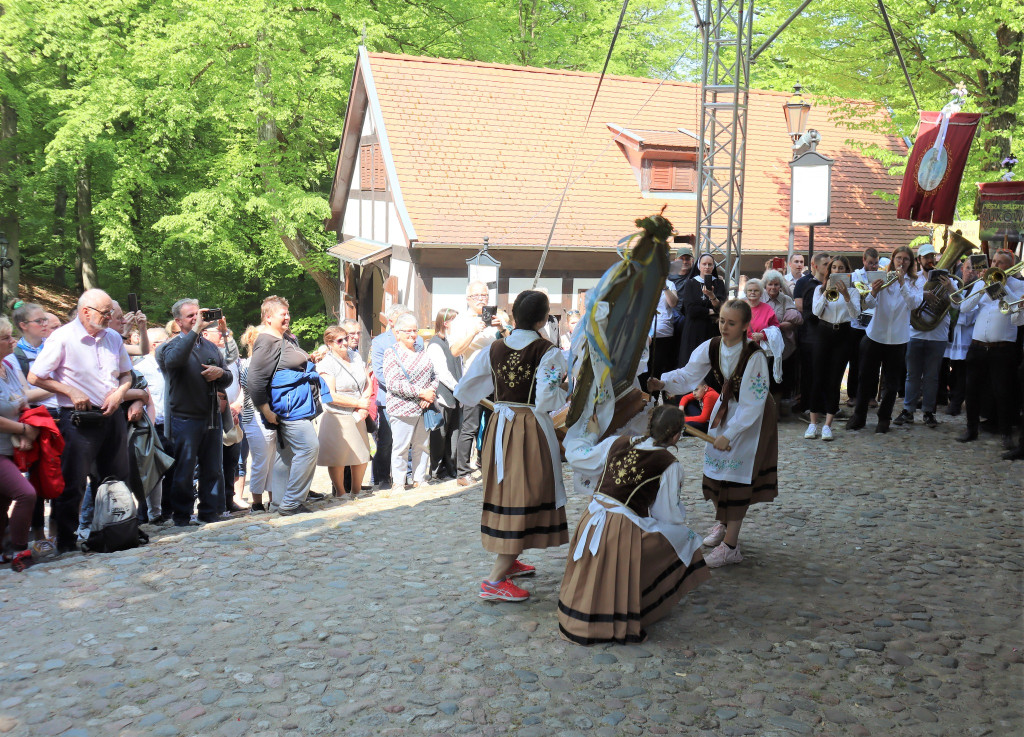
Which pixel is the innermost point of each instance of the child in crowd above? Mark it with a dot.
(697, 406)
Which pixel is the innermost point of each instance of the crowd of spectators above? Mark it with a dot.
(185, 414)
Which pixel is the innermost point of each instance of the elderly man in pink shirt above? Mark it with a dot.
(86, 365)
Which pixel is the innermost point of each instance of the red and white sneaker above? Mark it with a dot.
(518, 568)
(503, 591)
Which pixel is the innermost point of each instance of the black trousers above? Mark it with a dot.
(957, 383)
(381, 465)
(805, 350)
(853, 377)
(992, 369)
(831, 353)
(468, 429)
(105, 448)
(892, 360)
(442, 444)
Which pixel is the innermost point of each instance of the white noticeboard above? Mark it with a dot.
(811, 191)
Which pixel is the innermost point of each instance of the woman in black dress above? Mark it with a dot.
(702, 296)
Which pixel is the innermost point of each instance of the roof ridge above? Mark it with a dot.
(575, 73)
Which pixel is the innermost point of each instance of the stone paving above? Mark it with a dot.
(880, 595)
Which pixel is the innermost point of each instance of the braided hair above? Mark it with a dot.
(666, 422)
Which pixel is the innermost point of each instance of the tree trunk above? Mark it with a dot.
(1003, 91)
(60, 210)
(329, 285)
(86, 261)
(10, 225)
(135, 269)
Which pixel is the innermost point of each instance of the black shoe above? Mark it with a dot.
(257, 507)
(952, 410)
(882, 426)
(190, 523)
(1014, 455)
(855, 423)
(929, 420)
(235, 509)
(315, 496)
(967, 436)
(1008, 443)
(299, 509)
(211, 520)
(66, 548)
(904, 418)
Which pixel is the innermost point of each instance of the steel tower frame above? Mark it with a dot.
(726, 28)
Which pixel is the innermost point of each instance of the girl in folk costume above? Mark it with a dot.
(524, 497)
(632, 557)
(740, 466)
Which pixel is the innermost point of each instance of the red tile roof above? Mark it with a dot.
(484, 149)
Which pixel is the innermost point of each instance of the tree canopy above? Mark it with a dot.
(186, 147)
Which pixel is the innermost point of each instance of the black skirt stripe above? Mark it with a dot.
(517, 534)
(655, 604)
(584, 617)
(627, 640)
(545, 507)
(765, 487)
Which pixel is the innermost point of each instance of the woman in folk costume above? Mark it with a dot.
(632, 556)
(740, 466)
(524, 497)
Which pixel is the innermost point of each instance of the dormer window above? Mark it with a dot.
(664, 162)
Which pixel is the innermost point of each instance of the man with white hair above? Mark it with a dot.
(86, 365)
(467, 337)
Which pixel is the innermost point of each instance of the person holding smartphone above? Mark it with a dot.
(468, 335)
(703, 296)
(194, 372)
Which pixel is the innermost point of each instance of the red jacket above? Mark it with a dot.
(43, 461)
(708, 404)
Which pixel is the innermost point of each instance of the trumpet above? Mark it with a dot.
(832, 294)
(1011, 308)
(992, 278)
(890, 280)
(863, 288)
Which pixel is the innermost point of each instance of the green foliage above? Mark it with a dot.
(310, 329)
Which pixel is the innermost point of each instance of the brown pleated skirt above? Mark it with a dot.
(732, 499)
(634, 580)
(519, 512)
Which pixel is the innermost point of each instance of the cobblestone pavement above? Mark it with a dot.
(881, 594)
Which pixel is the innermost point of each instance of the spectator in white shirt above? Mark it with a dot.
(885, 341)
(796, 269)
(467, 337)
(992, 357)
(87, 367)
(831, 347)
(869, 262)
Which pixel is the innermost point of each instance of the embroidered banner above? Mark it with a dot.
(936, 166)
(1002, 212)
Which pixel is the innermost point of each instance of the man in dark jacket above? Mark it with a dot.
(194, 371)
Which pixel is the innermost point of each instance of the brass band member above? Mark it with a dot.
(885, 343)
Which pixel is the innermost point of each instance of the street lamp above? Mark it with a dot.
(484, 267)
(810, 173)
(5, 263)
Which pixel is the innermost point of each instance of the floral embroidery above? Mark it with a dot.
(624, 470)
(759, 386)
(721, 464)
(513, 371)
(551, 376)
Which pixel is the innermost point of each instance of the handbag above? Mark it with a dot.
(87, 418)
(233, 436)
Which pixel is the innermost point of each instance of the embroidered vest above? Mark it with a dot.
(716, 380)
(515, 372)
(633, 476)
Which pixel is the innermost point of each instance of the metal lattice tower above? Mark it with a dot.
(725, 83)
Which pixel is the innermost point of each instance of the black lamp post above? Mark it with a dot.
(5, 263)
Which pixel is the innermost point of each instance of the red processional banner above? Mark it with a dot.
(936, 167)
(1001, 206)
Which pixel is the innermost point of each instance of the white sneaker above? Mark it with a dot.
(723, 555)
(812, 432)
(826, 433)
(715, 535)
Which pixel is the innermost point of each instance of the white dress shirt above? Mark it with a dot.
(861, 275)
(990, 325)
(891, 323)
(836, 312)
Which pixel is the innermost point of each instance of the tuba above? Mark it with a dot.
(924, 317)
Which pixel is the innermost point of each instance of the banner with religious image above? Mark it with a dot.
(936, 167)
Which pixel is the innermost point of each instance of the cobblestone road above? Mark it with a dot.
(880, 595)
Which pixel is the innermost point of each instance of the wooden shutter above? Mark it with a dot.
(661, 176)
(684, 177)
(366, 167)
(379, 177)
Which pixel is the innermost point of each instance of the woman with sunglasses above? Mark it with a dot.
(344, 441)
